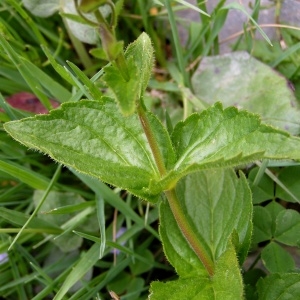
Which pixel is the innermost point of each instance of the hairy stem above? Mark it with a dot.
(188, 231)
(152, 141)
(176, 209)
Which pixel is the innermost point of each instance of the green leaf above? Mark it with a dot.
(288, 227)
(225, 285)
(57, 67)
(102, 190)
(290, 178)
(30, 177)
(140, 267)
(262, 191)
(219, 79)
(139, 60)
(67, 209)
(18, 218)
(86, 262)
(88, 6)
(26, 73)
(240, 7)
(279, 286)
(98, 53)
(276, 259)
(68, 241)
(219, 138)
(59, 92)
(36, 79)
(92, 89)
(94, 138)
(274, 208)
(189, 5)
(78, 26)
(211, 202)
(262, 225)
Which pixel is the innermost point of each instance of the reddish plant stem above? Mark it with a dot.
(152, 141)
(188, 231)
(174, 203)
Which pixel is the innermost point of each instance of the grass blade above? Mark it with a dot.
(33, 179)
(113, 199)
(242, 9)
(86, 262)
(101, 219)
(53, 180)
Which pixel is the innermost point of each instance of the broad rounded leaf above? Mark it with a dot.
(211, 202)
(94, 138)
(237, 79)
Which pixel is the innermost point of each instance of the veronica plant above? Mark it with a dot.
(205, 208)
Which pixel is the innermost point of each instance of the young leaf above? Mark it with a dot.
(211, 202)
(139, 60)
(94, 138)
(220, 137)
